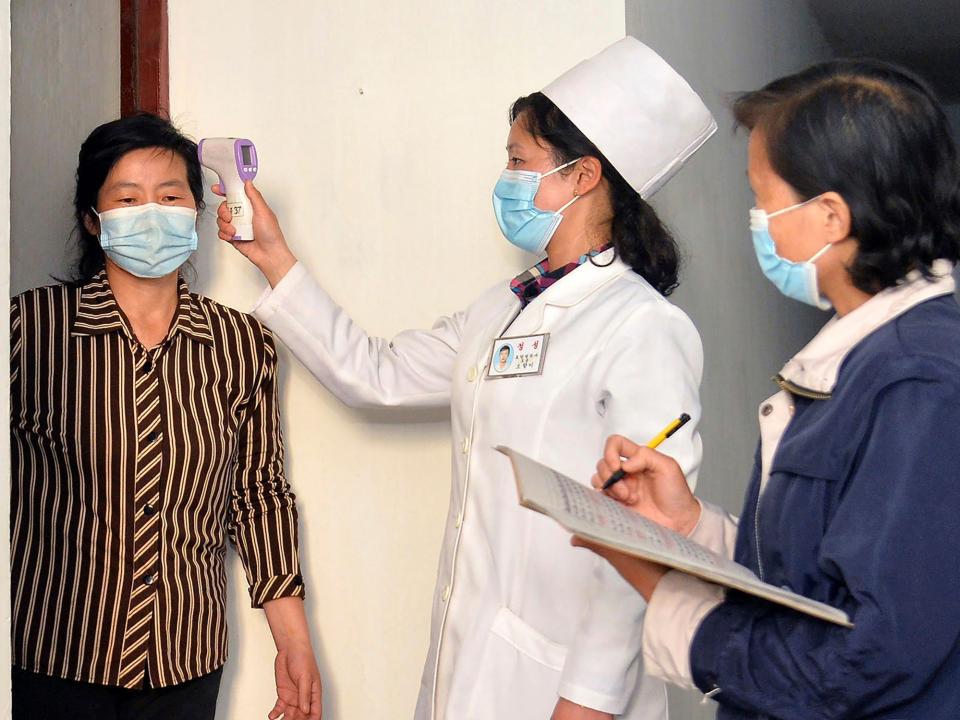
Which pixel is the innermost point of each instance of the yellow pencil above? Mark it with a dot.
(663, 435)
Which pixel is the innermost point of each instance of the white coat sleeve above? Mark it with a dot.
(414, 369)
(649, 373)
(716, 529)
(678, 605)
(681, 601)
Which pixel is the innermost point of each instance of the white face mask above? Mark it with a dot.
(150, 240)
(797, 280)
(521, 222)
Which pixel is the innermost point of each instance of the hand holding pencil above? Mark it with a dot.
(653, 444)
(649, 482)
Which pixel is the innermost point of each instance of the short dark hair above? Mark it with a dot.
(875, 134)
(102, 149)
(640, 238)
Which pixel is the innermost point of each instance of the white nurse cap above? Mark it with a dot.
(644, 117)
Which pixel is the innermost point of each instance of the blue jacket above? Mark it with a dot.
(861, 511)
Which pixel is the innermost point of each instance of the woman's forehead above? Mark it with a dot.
(154, 163)
(520, 138)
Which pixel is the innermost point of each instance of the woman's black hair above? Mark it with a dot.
(876, 135)
(639, 237)
(102, 149)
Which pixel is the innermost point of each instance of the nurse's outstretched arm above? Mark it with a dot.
(414, 369)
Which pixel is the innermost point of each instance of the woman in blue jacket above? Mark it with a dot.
(856, 483)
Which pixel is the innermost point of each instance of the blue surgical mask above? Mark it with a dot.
(797, 280)
(521, 222)
(150, 240)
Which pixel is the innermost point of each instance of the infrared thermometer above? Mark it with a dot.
(234, 160)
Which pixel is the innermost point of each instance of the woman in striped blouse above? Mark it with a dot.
(145, 432)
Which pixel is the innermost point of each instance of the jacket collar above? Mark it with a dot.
(813, 371)
(98, 313)
(534, 281)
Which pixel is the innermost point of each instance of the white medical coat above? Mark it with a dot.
(519, 616)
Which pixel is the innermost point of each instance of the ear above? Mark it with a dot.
(836, 218)
(91, 223)
(587, 173)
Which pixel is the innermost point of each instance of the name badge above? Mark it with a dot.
(517, 356)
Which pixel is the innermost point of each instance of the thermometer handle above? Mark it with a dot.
(242, 214)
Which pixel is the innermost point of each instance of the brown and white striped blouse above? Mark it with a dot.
(130, 469)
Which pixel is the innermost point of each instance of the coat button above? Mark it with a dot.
(446, 593)
(465, 445)
(459, 521)
(766, 409)
(148, 366)
(152, 436)
(471, 374)
(149, 510)
(149, 579)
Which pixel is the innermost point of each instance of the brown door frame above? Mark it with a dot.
(144, 57)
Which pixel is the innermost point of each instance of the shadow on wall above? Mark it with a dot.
(237, 609)
(226, 704)
(227, 707)
(238, 606)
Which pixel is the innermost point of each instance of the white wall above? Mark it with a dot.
(724, 47)
(4, 359)
(380, 129)
(66, 81)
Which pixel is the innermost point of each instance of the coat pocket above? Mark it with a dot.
(519, 672)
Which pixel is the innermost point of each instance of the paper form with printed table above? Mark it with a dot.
(594, 516)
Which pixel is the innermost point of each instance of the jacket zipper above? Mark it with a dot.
(793, 389)
(756, 533)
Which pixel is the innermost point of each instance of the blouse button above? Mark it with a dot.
(471, 374)
(766, 409)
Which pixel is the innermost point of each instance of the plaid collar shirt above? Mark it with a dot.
(532, 282)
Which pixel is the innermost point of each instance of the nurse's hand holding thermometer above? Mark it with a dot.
(268, 250)
(245, 220)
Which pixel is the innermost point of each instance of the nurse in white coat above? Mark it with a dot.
(523, 625)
